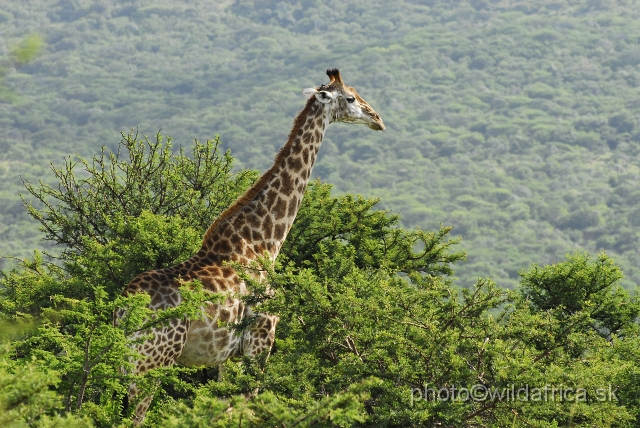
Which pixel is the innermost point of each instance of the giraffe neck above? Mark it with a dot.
(260, 219)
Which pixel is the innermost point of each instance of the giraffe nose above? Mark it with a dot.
(377, 125)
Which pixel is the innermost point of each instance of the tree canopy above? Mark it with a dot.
(373, 330)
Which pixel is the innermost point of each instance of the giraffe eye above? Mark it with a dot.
(350, 99)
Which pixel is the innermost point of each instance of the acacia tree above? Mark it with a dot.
(370, 318)
(141, 207)
(114, 216)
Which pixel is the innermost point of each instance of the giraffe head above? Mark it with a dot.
(343, 104)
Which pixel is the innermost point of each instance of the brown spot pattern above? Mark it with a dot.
(280, 209)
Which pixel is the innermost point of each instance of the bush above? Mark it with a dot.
(370, 320)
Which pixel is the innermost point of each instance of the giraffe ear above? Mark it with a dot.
(322, 96)
(309, 92)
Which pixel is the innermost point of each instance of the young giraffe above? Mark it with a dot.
(257, 222)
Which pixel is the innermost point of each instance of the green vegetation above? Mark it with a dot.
(514, 122)
(370, 320)
(26, 51)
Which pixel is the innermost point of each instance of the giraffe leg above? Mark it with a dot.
(162, 350)
(221, 371)
(260, 336)
(142, 406)
(258, 340)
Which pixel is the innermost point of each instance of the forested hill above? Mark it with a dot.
(514, 121)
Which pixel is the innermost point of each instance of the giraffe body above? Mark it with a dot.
(257, 223)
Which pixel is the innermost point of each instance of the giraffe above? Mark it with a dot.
(257, 223)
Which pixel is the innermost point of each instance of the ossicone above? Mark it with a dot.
(334, 75)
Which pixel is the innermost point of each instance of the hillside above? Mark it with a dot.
(515, 122)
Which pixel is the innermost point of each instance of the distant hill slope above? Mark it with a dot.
(514, 121)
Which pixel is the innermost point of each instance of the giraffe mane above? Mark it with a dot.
(254, 190)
